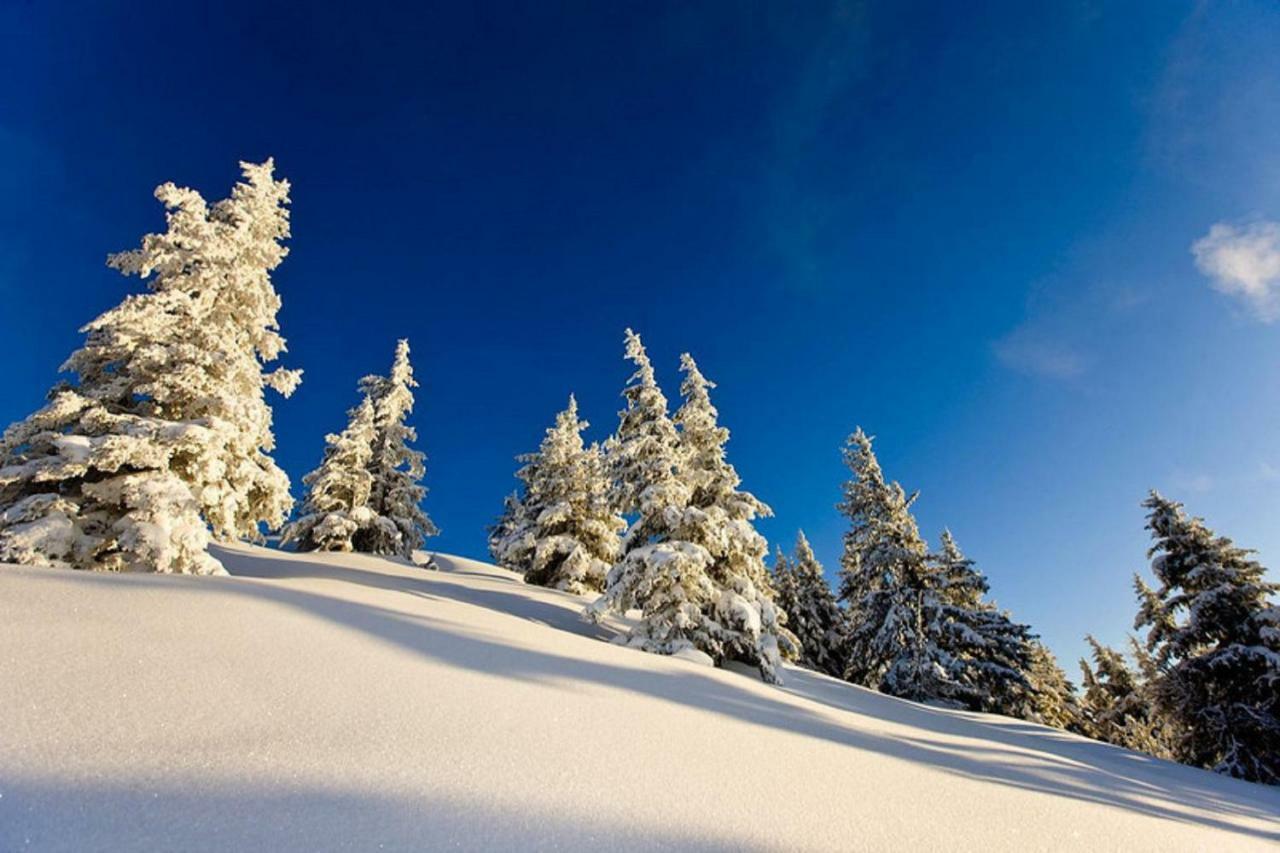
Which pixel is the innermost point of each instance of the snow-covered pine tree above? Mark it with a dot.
(1052, 701)
(1116, 706)
(989, 652)
(337, 502)
(723, 518)
(663, 572)
(783, 579)
(813, 614)
(567, 537)
(166, 431)
(884, 580)
(643, 450)
(501, 532)
(1214, 634)
(211, 274)
(919, 627)
(399, 525)
(783, 589)
(511, 538)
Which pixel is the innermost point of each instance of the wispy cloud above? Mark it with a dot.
(1243, 261)
(1193, 483)
(1026, 352)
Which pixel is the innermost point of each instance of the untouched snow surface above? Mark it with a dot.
(349, 702)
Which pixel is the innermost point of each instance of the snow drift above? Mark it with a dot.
(350, 702)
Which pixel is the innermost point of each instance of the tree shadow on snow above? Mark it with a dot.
(1011, 752)
(161, 814)
(503, 593)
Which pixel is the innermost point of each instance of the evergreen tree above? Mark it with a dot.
(196, 352)
(783, 580)
(1214, 635)
(812, 612)
(513, 518)
(399, 525)
(919, 627)
(565, 537)
(337, 502)
(783, 590)
(722, 517)
(988, 651)
(167, 431)
(884, 579)
(1052, 699)
(1116, 706)
(663, 571)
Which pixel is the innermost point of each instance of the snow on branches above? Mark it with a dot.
(166, 434)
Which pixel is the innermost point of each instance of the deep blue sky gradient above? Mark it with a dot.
(963, 226)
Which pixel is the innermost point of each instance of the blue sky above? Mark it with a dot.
(971, 235)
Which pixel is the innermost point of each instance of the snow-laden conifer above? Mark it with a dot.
(989, 653)
(1052, 700)
(663, 571)
(1214, 633)
(337, 502)
(918, 625)
(813, 615)
(721, 518)
(399, 525)
(782, 578)
(196, 351)
(1116, 706)
(564, 534)
(883, 578)
(500, 533)
(166, 431)
(783, 590)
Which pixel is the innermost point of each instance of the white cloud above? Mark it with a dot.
(1026, 352)
(1244, 261)
(1195, 483)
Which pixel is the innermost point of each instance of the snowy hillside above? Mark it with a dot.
(350, 702)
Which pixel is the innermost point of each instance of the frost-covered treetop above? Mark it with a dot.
(806, 561)
(883, 531)
(1209, 587)
(714, 480)
(635, 352)
(644, 451)
(220, 258)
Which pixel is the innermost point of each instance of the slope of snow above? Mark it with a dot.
(348, 702)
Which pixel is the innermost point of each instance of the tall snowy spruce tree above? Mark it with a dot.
(783, 589)
(399, 525)
(662, 572)
(1214, 635)
(691, 562)
(991, 652)
(166, 432)
(564, 534)
(919, 627)
(337, 503)
(813, 615)
(884, 568)
(722, 516)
